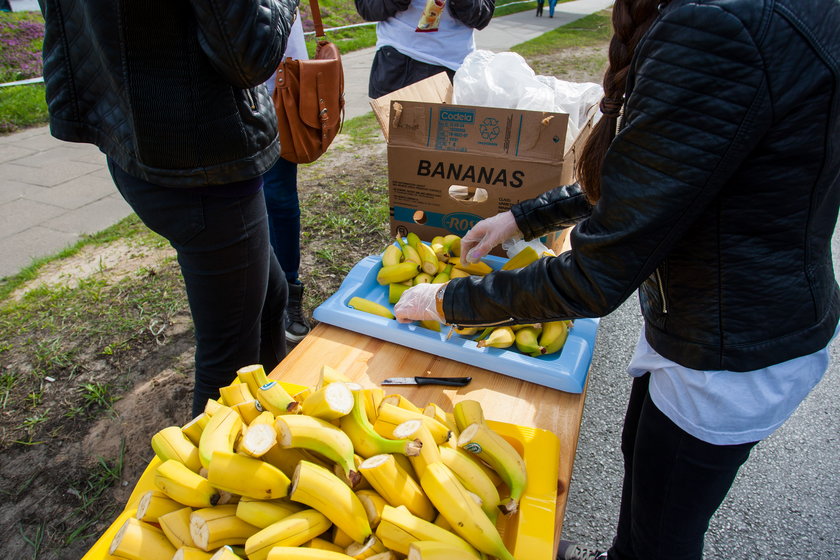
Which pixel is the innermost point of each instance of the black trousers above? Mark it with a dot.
(673, 484)
(392, 70)
(235, 287)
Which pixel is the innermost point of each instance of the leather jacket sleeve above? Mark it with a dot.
(684, 137)
(380, 10)
(244, 40)
(558, 208)
(473, 13)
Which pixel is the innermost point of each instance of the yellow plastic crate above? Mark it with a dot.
(529, 534)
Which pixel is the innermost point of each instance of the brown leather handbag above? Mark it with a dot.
(309, 99)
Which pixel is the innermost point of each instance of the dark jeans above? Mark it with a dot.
(281, 201)
(673, 484)
(392, 70)
(235, 287)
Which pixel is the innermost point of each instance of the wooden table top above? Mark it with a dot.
(368, 361)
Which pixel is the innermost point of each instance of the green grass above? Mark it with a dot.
(587, 31)
(22, 106)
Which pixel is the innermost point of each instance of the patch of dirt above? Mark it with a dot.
(46, 488)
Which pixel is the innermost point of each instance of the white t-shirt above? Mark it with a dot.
(728, 407)
(295, 48)
(448, 46)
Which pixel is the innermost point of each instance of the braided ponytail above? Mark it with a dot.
(630, 19)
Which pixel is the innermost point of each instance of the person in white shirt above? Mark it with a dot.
(405, 55)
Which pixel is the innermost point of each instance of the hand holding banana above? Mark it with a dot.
(486, 234)
(418, 304)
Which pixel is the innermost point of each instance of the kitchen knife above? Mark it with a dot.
(449, 381)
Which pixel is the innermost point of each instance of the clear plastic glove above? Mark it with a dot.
(418, 304)
(486, 234)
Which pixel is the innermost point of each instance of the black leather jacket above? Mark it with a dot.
(170, 90)
(720, 194)
(472, 13)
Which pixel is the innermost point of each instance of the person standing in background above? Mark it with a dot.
(283, 206)
(540, 4)
(404, 55)
(173, 95)
(551, 5)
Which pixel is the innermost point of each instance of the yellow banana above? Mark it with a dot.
(257, 439)
(176, 526)
(395, 291)
(467, 412)
(430, 324)
(253, 376)
(248, 410)
(438, 246)
(137, 540)
(293, 553)
(399, 528)
(219, 434)
(433, 550)
(396, 273)
(391, 256)
(452, 244)
(373, 503)
(397, 415)
(330, 375)
(554, 335)
(317, 435)
(287, 459)
(273, 397)
(441, 522)
(429, 261)
(246, 476)
(473, 478)
(387, 555)
(443, 276)
(461, 511)
(323, 544)
(410, 254)
(194, 427)
(294, 530)
(477, 269)
(341, 539)
(361, 551)
(521, 259)
(328, 403)
(225, 553)
(320, 489)
(153, 504)
(480, 440)
(527, 341)
(429, 452)
(366, 441)
(422, 278)
(396, 485)
(236, 393)
(401, 401)
(214, 527)
(191, 553)
(368, 306)
(262, 513)
(501, 337)
(184, 486)
(372, 398)
(212, 406)
(458, 273)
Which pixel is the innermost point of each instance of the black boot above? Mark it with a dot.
(297, 326)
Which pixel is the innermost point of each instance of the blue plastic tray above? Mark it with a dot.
(565, 370)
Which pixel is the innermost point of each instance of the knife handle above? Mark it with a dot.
(448, 381)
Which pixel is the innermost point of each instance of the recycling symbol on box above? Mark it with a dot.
(489, 128)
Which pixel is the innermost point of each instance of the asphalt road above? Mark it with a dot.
(785, 502)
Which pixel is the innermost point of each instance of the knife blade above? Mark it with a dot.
(448, 381)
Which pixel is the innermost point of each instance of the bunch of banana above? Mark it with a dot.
(535, 340)
(350, 473)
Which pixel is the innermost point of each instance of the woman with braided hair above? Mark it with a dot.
(711, 185)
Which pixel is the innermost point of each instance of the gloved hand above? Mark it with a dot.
(486, 234)
(418, 304)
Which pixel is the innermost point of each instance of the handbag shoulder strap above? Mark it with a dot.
(316, 19)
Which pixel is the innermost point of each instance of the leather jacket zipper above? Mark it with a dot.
(509, 321)
(251, 101)
(661, 292)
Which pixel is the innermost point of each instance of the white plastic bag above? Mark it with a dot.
(505, 80)
(515, 245)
